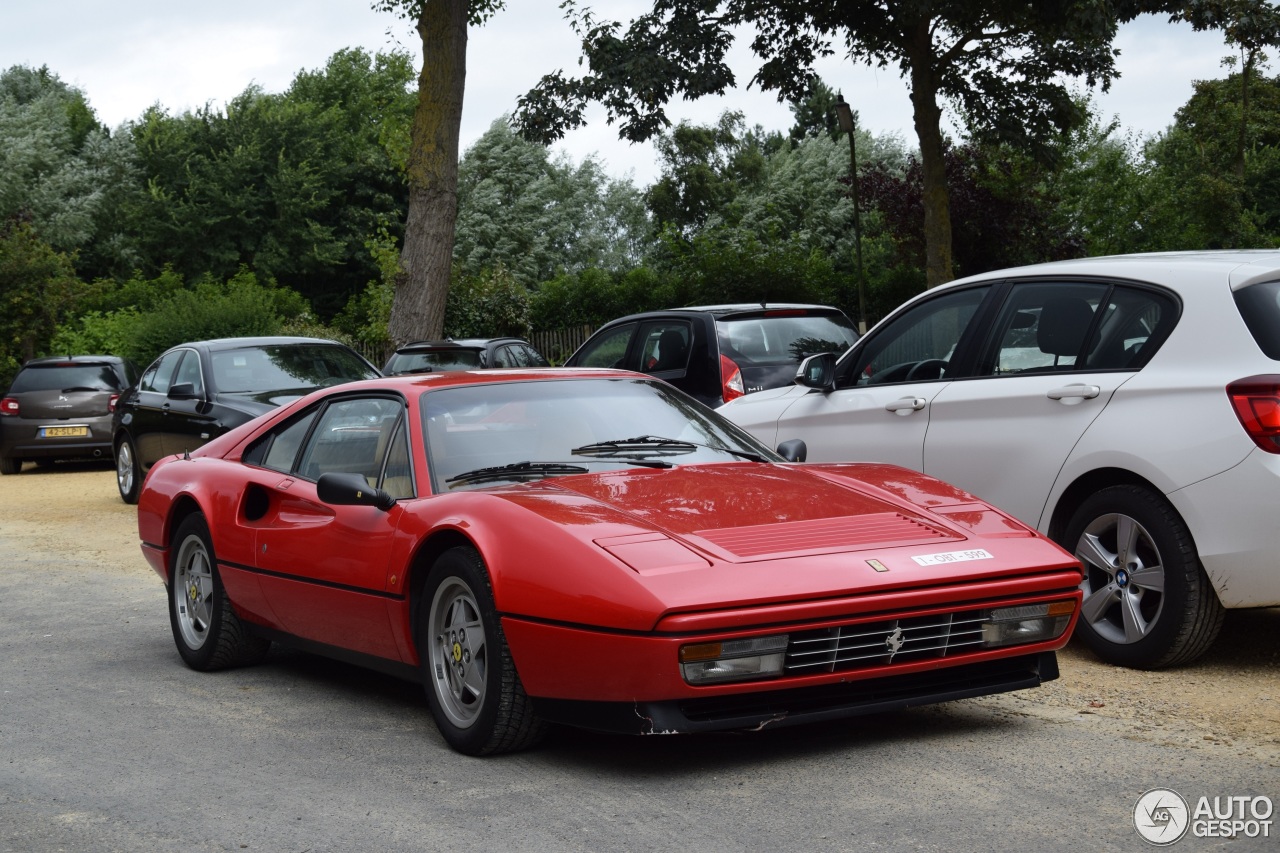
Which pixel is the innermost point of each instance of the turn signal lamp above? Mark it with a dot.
(734, 660)
(1027, 623)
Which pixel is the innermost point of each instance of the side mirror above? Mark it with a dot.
(182, 391)
(351, 490)
(818, 371)
(793, 450)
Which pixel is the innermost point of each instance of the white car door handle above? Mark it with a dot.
(1077, 391)
(906, 405)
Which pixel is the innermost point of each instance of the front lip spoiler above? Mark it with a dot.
(756, 711)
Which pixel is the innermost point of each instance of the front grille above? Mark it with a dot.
(867, 644)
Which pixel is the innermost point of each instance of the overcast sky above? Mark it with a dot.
(130, 54)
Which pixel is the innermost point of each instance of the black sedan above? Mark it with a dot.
(717, 353)
(195, 392)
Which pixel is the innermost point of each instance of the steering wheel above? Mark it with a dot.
(921, 366)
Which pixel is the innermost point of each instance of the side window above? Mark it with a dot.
(1042, 327)
(159, 376)
(609, 349)
(533, 357)
(1133, 326)
(281, 449)
(665, 346)
(189, 372)
(505, 357)
(917, 345)
(351, 437)
(397, 474)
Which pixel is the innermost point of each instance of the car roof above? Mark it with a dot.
(1239, 266)
(74, 359)
(262, 341)
(460, 343)
(728, 311)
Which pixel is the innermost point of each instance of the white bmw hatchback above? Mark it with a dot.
(1128, 407)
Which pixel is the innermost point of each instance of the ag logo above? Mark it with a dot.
(1161, 816)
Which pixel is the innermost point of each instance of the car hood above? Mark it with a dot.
(259, 402)
(738, 535)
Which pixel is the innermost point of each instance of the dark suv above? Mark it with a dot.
(195, 392)
(715, 353)
(60, 408)
(463, 354)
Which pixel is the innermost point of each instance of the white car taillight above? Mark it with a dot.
(1256, 400)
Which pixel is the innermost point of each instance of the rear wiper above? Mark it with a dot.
(516, 471)
(81, 388)
(642, 444)
(420, 370)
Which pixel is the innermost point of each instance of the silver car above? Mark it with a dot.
(1128, 407)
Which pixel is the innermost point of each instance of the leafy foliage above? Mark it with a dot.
(38, 290)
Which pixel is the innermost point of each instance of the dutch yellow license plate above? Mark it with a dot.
(63, 432)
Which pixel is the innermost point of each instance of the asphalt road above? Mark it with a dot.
(107, 742)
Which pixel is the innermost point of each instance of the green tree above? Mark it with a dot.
(1002, 63)
(62, 171)
(38, 290)
(536, 216)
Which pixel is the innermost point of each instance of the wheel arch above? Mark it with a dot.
(1084, 486)
(424, 557)
(182, 508)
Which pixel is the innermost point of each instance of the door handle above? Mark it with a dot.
(1077, 391)
(906, 405)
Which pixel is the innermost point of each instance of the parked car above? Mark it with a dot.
(60, 408)
(463, 354)
(197, 391)
(592, 548)
(1128, 407)
(716, 353)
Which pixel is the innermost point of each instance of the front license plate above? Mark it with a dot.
(951, 557)
(63, 432)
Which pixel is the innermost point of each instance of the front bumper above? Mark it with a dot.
(776, 708)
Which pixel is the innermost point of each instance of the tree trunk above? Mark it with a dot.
(928, 121)
(422, 285)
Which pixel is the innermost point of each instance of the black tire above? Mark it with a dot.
(1148, 603)
(472, 686)
(128, 472)
(9, 465)
(206, 629)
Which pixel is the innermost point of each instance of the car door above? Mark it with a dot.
(189, 420)
(324, 569)
(146, 417)
(1056, 354)
(880, 409)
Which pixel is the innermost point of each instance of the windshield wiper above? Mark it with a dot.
(640, 445)
(652, 445)
(517, 471)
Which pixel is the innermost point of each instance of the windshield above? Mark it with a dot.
(66, 377)
(478, 435)
(433, 362)
(783, 338)
(286, 367)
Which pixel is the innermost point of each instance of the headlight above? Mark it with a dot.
(733, 660)
(1028, 623)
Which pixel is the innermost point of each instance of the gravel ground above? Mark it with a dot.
(1227, 702)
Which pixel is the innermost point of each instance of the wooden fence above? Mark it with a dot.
(558, 344)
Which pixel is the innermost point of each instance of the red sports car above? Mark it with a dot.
(594, 548)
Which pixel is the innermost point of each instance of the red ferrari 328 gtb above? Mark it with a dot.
(593, 548)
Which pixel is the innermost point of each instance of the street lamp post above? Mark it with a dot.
(844, 113)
